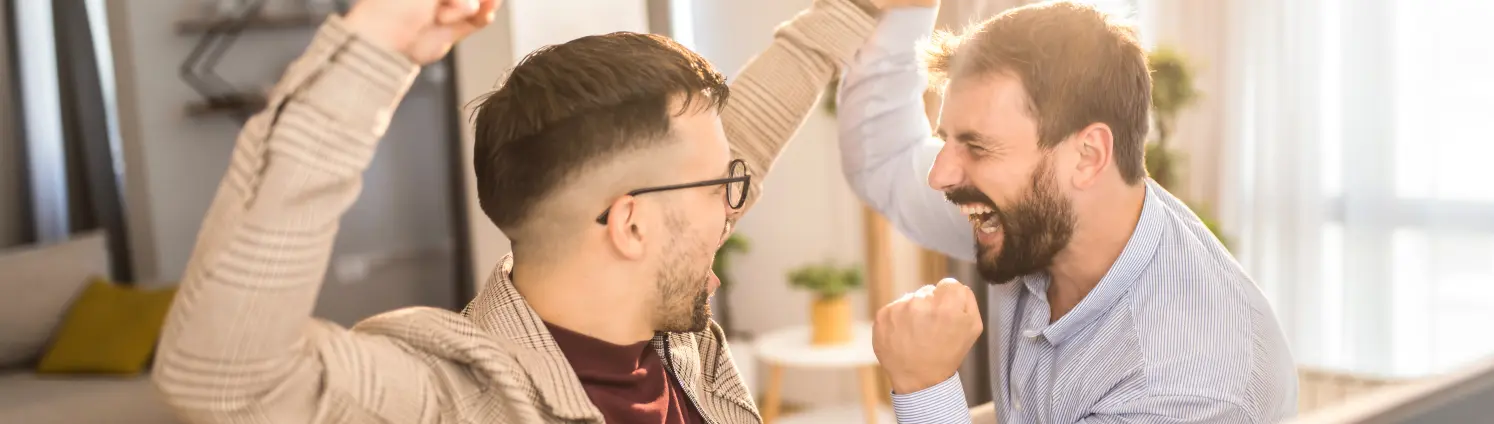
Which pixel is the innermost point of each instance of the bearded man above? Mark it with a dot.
(1111, 302)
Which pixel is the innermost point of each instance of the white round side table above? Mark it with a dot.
(790, 347)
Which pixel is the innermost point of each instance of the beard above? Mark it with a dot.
(1033, 230)
(683, 283)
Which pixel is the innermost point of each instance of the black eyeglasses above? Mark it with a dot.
(737, 184)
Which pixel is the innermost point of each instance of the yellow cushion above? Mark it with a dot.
(111, 329)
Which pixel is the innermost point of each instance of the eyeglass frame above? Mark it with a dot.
(745, 179)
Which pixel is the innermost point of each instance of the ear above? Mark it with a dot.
(1095, 145)
(623, 229)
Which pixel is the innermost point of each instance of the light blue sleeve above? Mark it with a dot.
(886, 146)
(944, 403)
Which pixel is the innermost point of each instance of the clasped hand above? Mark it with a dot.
(922, 338)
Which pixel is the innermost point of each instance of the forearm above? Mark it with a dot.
(776, 91)
(237, 327)
(886, 144)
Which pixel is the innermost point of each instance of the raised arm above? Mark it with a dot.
(886, 145)
(775, 92)
(240, 345)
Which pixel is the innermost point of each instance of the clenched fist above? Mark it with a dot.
(423, 30)
(921, 338)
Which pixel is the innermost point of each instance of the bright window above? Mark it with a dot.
(1409, 215)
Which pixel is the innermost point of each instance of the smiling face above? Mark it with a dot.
(1045, 117)
(993, 167)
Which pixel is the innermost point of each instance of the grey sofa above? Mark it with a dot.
(37, 286)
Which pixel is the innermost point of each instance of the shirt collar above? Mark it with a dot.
(1133, 259)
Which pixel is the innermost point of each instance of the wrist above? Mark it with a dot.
(377, 32)
(913, 384)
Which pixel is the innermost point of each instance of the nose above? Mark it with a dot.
(948, 172)
(726, 232)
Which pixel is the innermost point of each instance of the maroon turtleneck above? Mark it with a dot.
(627, 383)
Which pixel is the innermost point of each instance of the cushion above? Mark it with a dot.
(39, 283)
(29, 398)
(111, 329)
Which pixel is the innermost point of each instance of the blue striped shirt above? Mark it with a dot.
(1175, 332)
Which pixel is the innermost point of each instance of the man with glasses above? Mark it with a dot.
(616, 165)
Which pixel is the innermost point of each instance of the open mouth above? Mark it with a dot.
(982, 217)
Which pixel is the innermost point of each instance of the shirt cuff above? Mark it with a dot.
(944, 403)
(901, 28)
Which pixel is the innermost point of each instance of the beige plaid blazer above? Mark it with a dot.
(240, 344)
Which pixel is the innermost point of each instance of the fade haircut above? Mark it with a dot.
(1077, 65)
(568, 107)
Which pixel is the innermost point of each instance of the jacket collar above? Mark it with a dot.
(703, 365)
(697, 360)
(498, 333)
(501, 311)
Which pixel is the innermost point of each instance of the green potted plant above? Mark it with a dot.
(1172, 91)
(830, 311)
(721, 266)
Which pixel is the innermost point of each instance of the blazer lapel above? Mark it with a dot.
(501, 311)
(704, 369)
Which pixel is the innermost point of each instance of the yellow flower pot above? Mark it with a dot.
(830, 320)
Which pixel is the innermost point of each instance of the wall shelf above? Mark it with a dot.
(235, 103)
(261, 22)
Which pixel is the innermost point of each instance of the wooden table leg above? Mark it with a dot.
(869, 393)
(773, 398)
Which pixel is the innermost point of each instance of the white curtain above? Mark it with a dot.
(1351, 177)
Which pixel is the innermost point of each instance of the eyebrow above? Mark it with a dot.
(969, 138)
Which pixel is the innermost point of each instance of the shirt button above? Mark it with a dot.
(1031, 334)
(1017, 405)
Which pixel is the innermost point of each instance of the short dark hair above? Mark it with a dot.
(566, 106)
(1077, 65)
